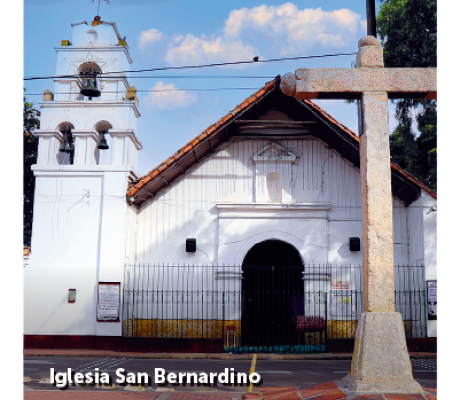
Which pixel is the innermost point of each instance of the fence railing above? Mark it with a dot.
(260, 308)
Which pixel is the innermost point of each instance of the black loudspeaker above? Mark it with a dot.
(190, 245)
(355, 244)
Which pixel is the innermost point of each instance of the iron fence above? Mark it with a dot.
(260, 308)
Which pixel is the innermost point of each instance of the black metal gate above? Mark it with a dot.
(275, 308)
(273, 317)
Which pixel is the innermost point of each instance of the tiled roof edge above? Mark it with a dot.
(136, 185)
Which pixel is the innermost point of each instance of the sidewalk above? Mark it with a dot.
(199, 356)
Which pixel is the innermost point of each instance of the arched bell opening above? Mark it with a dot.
(103, 153)
(67, 149)
(89, 81)
(272, 294)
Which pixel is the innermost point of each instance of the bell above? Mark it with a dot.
(67, 145)
(90, 89)
(103, 143)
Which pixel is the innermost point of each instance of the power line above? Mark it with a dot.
(194, 77)
(202, 65)
(163, 90)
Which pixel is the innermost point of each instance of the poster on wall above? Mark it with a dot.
(432, 300)
(343, 303)
(108, 302)
(339, 285)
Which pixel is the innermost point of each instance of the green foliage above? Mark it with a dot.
(426, 143)
(408, 31)
(401, 144)
(30, 143)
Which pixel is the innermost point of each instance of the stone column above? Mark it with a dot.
(377, 215)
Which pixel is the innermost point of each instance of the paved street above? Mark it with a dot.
(274, 373)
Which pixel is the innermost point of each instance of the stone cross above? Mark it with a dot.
(380, 359)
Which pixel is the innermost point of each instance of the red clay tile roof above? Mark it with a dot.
(135, 186)
(138, 184)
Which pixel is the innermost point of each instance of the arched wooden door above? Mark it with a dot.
(273, 294)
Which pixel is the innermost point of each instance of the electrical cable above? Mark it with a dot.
(201, 65)
(195, 77)
(162, 90)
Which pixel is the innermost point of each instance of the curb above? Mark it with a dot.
(203, 356)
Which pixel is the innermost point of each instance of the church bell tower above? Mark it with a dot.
(87, 154)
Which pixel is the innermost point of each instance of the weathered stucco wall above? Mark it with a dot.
(189, 208)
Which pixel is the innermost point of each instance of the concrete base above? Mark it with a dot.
(380, 361)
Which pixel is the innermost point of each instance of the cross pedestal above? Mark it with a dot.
(380, 358)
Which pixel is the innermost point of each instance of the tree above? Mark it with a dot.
(408, 31)
(30, 143)
(426, 144)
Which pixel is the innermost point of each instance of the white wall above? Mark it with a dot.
(429, 209)
(65, 255)
(85, 233)
(187, 208)
(223, 202)
(78, 240)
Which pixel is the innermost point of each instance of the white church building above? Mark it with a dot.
(248, 238)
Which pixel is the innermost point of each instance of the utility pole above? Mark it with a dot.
(371, 24)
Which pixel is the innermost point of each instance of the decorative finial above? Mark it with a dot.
(288, 84)
(48, 96)
(368, 40)
(97, 21)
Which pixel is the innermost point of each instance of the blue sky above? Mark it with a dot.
(164, 33)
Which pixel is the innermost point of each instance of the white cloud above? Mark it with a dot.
(166, 96)
(265, 31)
(149, 37)
(190, 49)
(293, 30)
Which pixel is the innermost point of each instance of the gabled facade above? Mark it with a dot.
(270, 152)
(278, 172)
